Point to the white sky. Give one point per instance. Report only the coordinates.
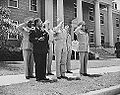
(118, 4)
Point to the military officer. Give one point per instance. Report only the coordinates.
(69, 50)
(83, 38)
(50, 51)
(39, 38)
(60, 50)
(27, 46)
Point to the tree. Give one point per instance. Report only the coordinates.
(4, 26)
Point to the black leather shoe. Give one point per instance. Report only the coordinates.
(69, 72)
(49, 74)
(59, 77)
(64, 77)
(85, 74)
(32, 76)
(27, 77)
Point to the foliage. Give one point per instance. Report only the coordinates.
(4, 26)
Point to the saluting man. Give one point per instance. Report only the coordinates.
(60, 50)
(27, 46)
(69, 50)
(83, 40)
(50, 51)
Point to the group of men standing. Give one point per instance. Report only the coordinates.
(37, 46)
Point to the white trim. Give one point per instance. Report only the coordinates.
(117, 20)
(30, 6)
(12, 6)
(9, 38)
(91, 15)
(102, 14)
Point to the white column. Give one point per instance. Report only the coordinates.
(110, 25)
(79, 11)
(60, 10)
(49, 11)
(97, 24)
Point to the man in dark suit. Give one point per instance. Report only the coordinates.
(39, 38)
(117, 48)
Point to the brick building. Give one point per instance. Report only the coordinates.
(101, 16)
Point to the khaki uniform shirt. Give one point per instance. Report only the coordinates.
(26, 44)
(83, 40)
(69, 42)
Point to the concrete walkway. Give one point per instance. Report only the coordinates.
(14, 79)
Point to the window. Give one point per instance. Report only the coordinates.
(117, 22)
(13, 3)
(91, 14)
(118, 37)
(101, 18)
(12, 35)
(75, 10)
(33, 5)
(102, 39)
(91, 38)
(114, 5)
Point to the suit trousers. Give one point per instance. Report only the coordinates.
(68, 64)
(83, 62)
(40, 65)
(61, 57)
(28, 61)
(49, 58)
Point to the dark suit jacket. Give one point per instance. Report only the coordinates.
(39, 38)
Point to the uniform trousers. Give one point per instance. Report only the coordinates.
(28, 61)
(40, 65)
(68, 64)
(49, 59)
(83, 62)
(61, 57)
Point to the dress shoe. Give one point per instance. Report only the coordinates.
(28, 77)
(59, 77)
(32, 76)
(84, 74)
(49, 74)
(69, 71)
(64, 77)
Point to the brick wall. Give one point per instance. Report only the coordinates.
(19, 14)
(68, 11)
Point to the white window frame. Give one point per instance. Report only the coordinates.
(118, 37)
(91, 15)
(30, 6)
(101, 14)
(92, 32)
(9, 32)
(75, 10)
(12, 6)
(117, 19)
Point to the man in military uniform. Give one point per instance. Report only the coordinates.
(50, 51)
(27, 46)
(39, 38)
(60, 50)
(69, 50)
(83, 39)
